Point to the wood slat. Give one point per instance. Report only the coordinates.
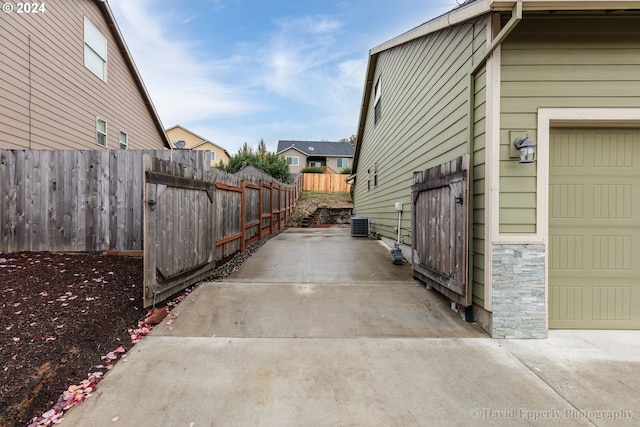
(439, 223)
(325, 182)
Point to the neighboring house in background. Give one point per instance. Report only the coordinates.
(255, 172)
(554, 243)
(196, 142)
(69, 82)
(334, 156)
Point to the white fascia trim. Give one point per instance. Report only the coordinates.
(578, 5)
(293, 147)
(449, 19)
(480, 7)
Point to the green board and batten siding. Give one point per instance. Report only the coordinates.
(588, 61)
(477, 261)
(424, 122)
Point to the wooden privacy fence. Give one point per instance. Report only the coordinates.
(330, 182)
(439, 224)
(179, 227)
(77, 200)
(92, 201)
(249, 208)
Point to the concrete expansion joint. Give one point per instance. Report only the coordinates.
(368, 282)
(541, 378)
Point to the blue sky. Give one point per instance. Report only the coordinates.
(236, 71)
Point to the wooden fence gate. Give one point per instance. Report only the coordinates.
(439, 223)
(179, 227)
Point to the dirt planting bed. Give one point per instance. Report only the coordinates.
(59, 314)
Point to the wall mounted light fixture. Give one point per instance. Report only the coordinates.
(527, 149)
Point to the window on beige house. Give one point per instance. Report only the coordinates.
(293, 160)
(343, 162)
(101, 132)
(213, 156)
(95, 50)
(124, 140)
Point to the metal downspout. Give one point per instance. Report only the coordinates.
(516, 17)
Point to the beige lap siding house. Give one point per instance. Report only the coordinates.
(554, 243)
(67, 81)
(196, 142)
(332, 156)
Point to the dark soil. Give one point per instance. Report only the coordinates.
(59, 314)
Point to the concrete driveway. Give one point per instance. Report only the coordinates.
(319, 328)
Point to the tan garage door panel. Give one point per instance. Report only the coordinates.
(594, 229)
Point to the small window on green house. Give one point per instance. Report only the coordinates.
(124, 140)
(377, 101)
(375, 175)
(101, 132)
(368, 179)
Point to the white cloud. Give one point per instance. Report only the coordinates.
(309, 24)
(352, 72)
(302, 62)
(182, 86)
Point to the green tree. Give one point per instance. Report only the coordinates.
(267, 162)
(262, 149)
(277, 167)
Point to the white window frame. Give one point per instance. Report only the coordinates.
(293, 160)
(340, 162)
(99, 132)
(95, 50)
(375, 174)
(377, 106)
(213, 156)
(315, 164)
(124, 143)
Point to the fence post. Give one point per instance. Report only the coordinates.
(243, 215)
(276, 226)
(271, 208)
(260, 209)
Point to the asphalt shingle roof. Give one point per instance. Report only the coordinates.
(318, 148)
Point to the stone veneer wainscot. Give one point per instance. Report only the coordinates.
(518, 291)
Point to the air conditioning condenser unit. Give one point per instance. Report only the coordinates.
(359, 226)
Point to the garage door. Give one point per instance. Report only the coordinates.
(594, 229)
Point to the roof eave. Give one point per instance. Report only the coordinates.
(366, 95)
(454, 17)
(480, 7)
(204, 140)
(292, 147)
